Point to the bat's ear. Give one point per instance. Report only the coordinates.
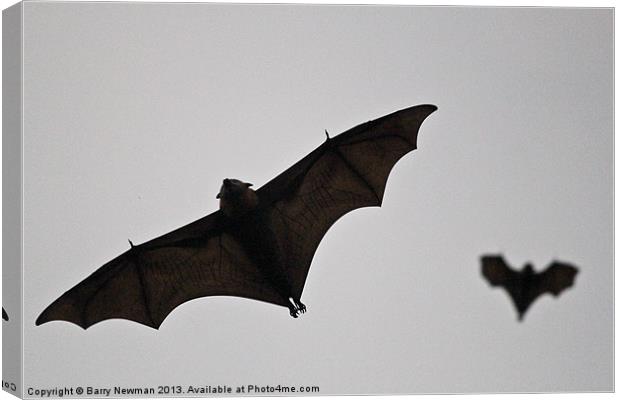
(249, 184)
(218, 195)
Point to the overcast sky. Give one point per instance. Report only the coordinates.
(135, 112)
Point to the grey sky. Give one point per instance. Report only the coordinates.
(135, 112)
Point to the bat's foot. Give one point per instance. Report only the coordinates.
(301, 307)
(296, 307)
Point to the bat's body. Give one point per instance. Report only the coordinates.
(253, 231)
(5, 316)
(259, 244)
(525, 286)
(522, 289)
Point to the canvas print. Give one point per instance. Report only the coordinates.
(291, 200)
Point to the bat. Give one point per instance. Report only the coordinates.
(525, 286)
(259, 244)
(5, 316)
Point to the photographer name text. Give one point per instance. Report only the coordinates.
(167, 390)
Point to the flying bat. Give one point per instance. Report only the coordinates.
(259, 244)
(5, 316)
(525, 286)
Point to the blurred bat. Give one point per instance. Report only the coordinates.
(525, 286)
(5, 316)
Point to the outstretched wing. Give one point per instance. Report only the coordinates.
(346, 172)
(148, 281)
(556, 278)
(496, 271)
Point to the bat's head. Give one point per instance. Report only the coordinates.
(528, 269)
(232, 188)
(236, 197)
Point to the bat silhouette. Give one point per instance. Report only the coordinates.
(259, 244)
(525, 286)
(5, 316)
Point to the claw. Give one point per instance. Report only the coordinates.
(293, 312)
